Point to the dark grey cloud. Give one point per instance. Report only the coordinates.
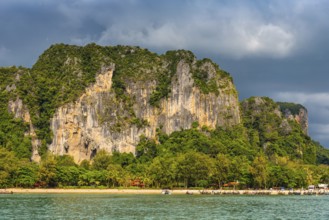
(272, 48)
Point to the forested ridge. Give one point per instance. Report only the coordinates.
(265, 150)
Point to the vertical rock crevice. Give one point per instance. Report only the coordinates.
(98, 120)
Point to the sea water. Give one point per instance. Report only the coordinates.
(107, 206)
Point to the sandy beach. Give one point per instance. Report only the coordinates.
(109, 191)
(158, 191)
(86, 191)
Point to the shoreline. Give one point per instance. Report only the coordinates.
(160, 191)
(83, 191)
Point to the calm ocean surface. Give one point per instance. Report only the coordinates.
(94, 206)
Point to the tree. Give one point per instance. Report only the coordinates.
(259, 171)
(24, 149)
(115, 174)
(65, 160)
(123, 159)
(222, 169)
(67, 175)
(8, 167)
(193, 167)
(93, 178)
(48, 171)
(85, 164)
(26, 175)
(146, 149)
(162, 171)
(239, 170)
(102, 160)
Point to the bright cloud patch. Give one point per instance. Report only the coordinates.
(318, 99)
(234, 30)
(234, 40)
(165, 36)
(270, 39)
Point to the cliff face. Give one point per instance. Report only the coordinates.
(284, 111)
(98, 119)
(295, 112)
(278, 128)
(79, 100)
(21, 111)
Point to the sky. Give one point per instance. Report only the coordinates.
(274, 48)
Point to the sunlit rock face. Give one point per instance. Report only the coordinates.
(19, 110)
(99, 120)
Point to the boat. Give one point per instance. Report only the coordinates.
(166, 192)
(309, 193)
(205, 192)
(6, 192)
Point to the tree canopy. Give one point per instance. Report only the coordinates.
(264, 150)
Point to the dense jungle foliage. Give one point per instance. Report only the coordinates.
(264, 151)
(180, 160)
(12, 129)
(62, 73)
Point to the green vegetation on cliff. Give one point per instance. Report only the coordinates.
(209, 83)
(291, 107)
(265, 150)
(190, 158)
(12, 130)
(62, 73)
(274, 134)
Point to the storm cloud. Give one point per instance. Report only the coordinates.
(271, 47)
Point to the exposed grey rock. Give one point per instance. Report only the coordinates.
(21, 111)
(98, 120)
(10, 88)
(301, 118)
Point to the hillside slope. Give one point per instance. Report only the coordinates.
(79, 100)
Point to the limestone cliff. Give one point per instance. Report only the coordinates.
(20, 111)
(78, 100)
(260, 106)
(100, 120)
(295, 112)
